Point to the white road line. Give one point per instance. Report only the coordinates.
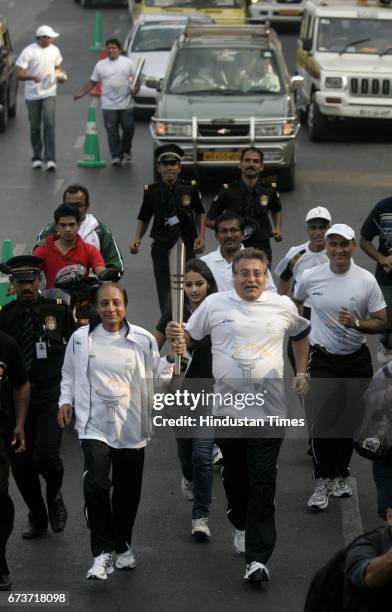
(79, 142)
(351, 515)
(58, 185)
(19, 248)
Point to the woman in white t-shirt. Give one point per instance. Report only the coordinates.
(108, 377)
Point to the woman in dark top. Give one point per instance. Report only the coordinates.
(195, 454)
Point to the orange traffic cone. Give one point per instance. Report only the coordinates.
(97, 91)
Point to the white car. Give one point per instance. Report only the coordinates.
(152, 38)
(287, 11)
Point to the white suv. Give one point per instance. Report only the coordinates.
(345, 56)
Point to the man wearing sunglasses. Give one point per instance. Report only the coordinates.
(177, 211)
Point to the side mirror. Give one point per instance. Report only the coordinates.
(296, 82)
(153, 83)
(307, 44)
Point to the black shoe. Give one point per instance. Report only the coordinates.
(5, 582)
(34, 530)
(57, 513)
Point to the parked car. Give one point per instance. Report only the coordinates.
(152, 37)
(345, 57)
(227, 88)
(8, 80)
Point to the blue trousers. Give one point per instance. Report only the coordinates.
(195, 456)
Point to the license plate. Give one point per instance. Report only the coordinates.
(377, 113)
(289, 12)
(221, 155)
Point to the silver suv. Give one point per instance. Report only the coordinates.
(227, 88)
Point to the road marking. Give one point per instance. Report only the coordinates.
(351, 515)
(343, 179)
(19, 249)
(58, 185)
(79, 142)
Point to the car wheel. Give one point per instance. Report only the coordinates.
(4, 114)
(286, 178)
(317, 122)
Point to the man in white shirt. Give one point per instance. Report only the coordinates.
(115, 72)
(346, 303)
(229, 233)
(247, 326)
(39, 65)
(304, 256)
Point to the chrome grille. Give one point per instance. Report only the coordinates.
(223, 129)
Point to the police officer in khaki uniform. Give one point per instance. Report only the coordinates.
(176, 208)
(41, 328)
(254, 201)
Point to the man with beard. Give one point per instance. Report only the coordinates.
(253, 200)
(229, 234)
(41, 327)
(178, 212)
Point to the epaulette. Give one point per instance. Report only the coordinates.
(59, 301)
(146, 187)
(193, 182)
(225, 186)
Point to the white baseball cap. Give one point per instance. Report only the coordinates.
(318, 213)
(341, 229)
(46, 30)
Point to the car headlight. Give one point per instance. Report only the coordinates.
(275, 129)
(173, 129)
(334, 83)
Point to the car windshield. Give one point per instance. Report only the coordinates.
(224, 71)
(371, 36)
(156, 36)
(200, 4)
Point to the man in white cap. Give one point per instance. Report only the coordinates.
(39, 64)
(346, 303)
(302, 257)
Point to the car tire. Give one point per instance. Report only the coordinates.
(286, 178)
(317, 122)
(4, 114)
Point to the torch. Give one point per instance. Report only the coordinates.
(177, 270)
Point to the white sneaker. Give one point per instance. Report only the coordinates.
(127, 159)
(50, 166)
(126, 560)
(341, 488)
(101, 568)
(239, 541)
(256, 572)
(320, 497)
(384, 355)
(116, 161)
(187, 489)
(200, 529)
(36, 164)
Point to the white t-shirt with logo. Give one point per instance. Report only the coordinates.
(41, 62)
(115, 416)
(114, 75)
(297, 260)
(223, 271)
(327, 292)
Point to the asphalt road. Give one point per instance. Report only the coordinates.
(348, 175)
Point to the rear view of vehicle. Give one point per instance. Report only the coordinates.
(221, 11)
(286, 11)
(8, 81)
(228, 88)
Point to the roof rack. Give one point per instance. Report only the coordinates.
(194, 30)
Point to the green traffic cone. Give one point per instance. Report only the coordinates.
(7, 252)
(91, 156)
(98, 42)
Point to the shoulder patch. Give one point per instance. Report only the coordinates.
(59, 301)
(146, 187)
(225, 186)
(193, 182)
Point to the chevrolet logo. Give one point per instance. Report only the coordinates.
(224, 131)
